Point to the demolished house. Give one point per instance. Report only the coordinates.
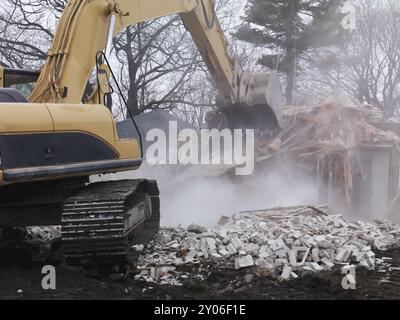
(347, 151)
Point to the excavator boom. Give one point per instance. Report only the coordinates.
(86, 28)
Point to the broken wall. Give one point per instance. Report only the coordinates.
(354, 163)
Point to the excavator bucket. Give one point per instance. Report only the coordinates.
(262, 106)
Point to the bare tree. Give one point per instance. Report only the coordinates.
(367, 69)
(26, 31)
(155, 59)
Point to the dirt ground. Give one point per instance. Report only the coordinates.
(17, 272)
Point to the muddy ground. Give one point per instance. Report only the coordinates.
(17, 272)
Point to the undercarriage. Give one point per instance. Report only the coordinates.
(100, 222)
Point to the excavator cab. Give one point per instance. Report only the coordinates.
(16, 84)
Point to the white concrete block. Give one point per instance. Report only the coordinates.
(297, 234)
(175, 246)
(343, 255)
(286, 273)
(231, 249)
(315, 254)
(237, 243)
(216, 256)
(244, 262)
(320, 239)
(316, 267)
(293, 257)
(328, 263)
(224, 253)
(264, 252)
(308, 268)
(169, 244)
(211, 244)
(223, 233)
(138, 248)
(252, 249)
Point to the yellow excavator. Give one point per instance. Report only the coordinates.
(52, 142)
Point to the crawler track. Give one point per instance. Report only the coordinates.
(105, 219)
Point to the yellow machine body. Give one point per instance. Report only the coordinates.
(53, 141)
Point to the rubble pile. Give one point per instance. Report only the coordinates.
(43, 234)
(42, 242)
(284, 242)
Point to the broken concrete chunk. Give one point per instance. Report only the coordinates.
(171, 243)
(237, 243)
(315, 254)
(224, 253)
(320, 239)
(231, 249)
(343, 255)
(175, 246)
(244, 262)
(211, 243)
(293, 257)
(252, 249)
(138, 248)
(195, 228)
(264, 252)
(297, 234)
(328, 263)
(316, 267)
(216, 256)
(286, 273)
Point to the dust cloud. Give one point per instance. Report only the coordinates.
(188, 198)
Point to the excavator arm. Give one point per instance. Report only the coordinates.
(87, 27)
